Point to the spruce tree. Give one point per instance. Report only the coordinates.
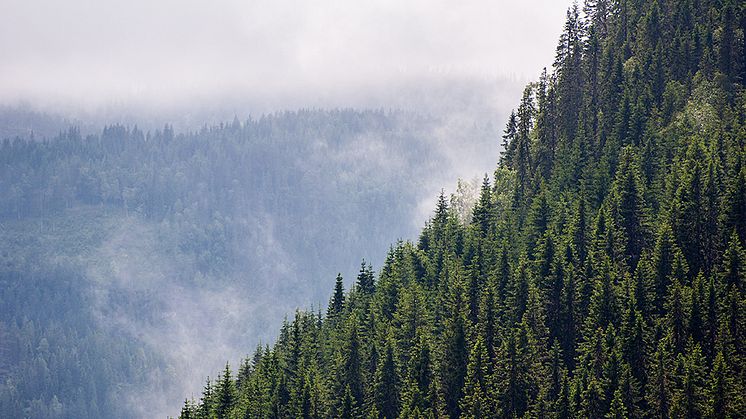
(336, 304)
(225, 394)
(475, 402)
(387, 385)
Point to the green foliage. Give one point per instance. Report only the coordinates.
(601, 274)
(220, 207)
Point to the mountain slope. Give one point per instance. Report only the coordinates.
(602, 272)
(127, 256)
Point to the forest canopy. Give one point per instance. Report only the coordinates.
(601, 274)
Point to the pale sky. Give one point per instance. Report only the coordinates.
(94, 53)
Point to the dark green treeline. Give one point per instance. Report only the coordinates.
(602, 272)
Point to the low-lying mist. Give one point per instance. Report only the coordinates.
(211, 238)
(179, 177)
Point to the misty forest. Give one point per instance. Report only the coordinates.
(598, 270)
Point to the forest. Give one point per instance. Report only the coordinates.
(601, 273)
(109, 242)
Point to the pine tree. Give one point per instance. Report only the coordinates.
(537, 222)
(593, 400)
(562, 406)
(630, 390)
(482, 216)
(735, 201)
(518, 293)
(512, 381)
(349, 373)
(225, 394)
(475, 402)
(604, 308)
(733, 271)
(502, 274)
(387, 385)
(509, 145)
(207, 402)
(410, 320)
(719, 391)
(365, 279)
(629, 206)
(633, 340)
(454, 350)
(336, 304)
(522, 159)
(524, 309)
(664, 252)
(691, 207)
(567, 65)
(659, 386)
(280, 398)
(568, 316)
(348, 409)
(688, 398)
(418, 390)
(546, 133)
(554, 298)
(676, 318)
(728, 49)
(188, 411)
(618, 410)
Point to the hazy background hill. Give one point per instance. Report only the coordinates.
(130, 252)
(129, 256)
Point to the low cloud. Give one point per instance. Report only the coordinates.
(194, 327)
(88, 55)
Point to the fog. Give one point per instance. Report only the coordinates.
(193, 329)
(191, 63)
(86, 56)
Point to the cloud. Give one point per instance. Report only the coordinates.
(90, 54)
(195, 60)
(137, 281)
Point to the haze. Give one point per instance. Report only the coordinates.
(190, 64)
(88, 55)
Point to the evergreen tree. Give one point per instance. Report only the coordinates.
(689, 396)
(629, 206)
(659, 385)
(365, 279)
(482, 215)
(350, 376)
(418, 391)
(522, 159)
(387, 385)
(593, 400)
(188, 411)
(454, 350)
(475, 402)
(525, 310)
(618, 410)
(509, 144)
(336, 304)
(512, 380)
(225, 394)
(734, 264)
(735, 201)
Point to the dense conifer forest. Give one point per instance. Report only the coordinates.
(600, 275)
(109, 241)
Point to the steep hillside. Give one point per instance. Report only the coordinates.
(601, 274)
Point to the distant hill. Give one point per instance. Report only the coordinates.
(126, 255)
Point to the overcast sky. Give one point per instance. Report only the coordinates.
(96, 53)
